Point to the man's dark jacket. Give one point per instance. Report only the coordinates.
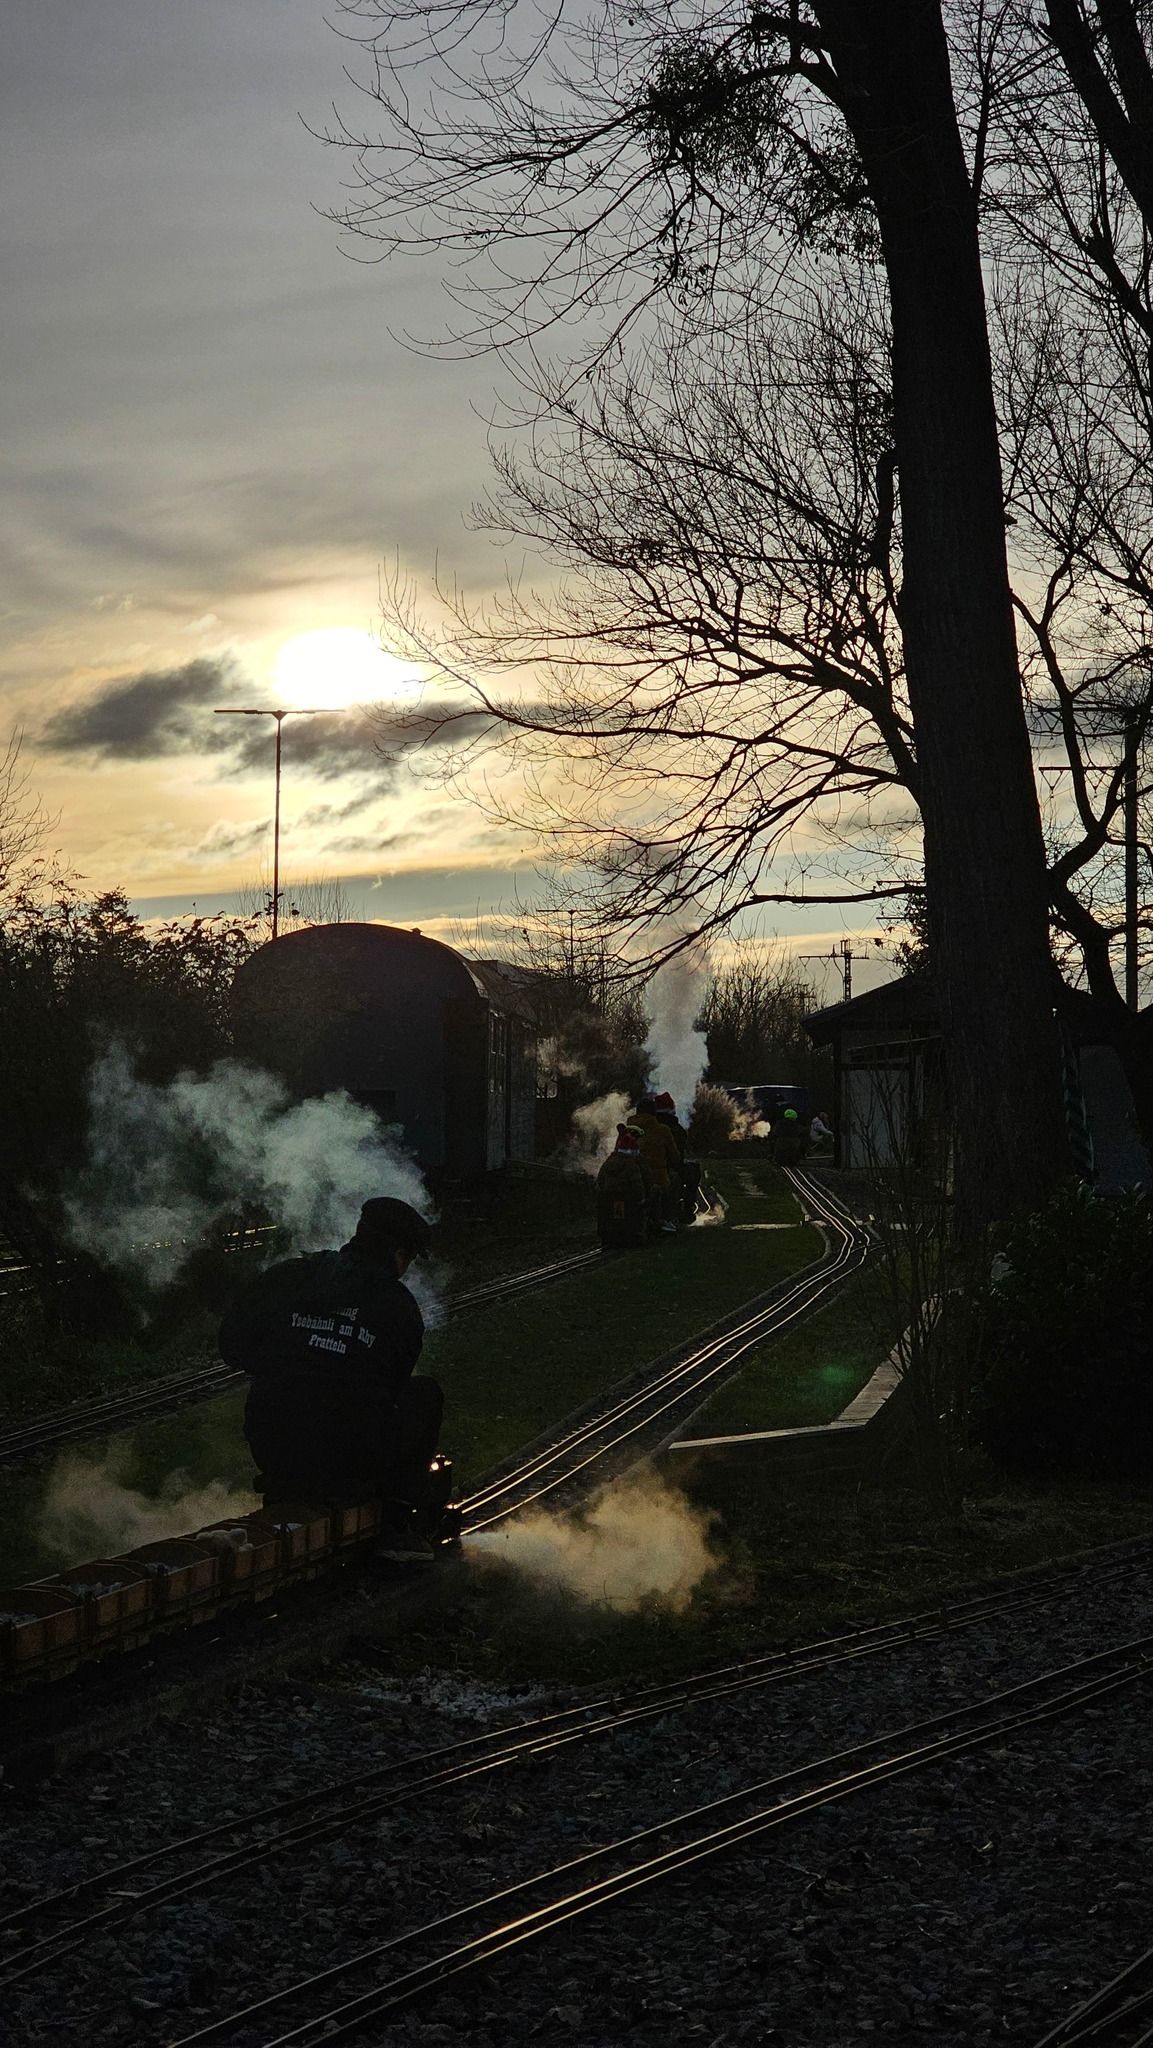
(330, 1341)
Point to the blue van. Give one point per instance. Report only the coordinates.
(765, 1100)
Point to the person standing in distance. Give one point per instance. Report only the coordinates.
(330, 1341)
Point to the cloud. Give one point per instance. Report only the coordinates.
(321, 817)
(164, 712)
(332, 746)
(227, 840)
(373, 842)
(137, 718)
(170, 711)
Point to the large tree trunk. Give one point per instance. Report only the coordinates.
(984, 852)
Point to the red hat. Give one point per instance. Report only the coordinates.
(665, 1102)
(628, 1139)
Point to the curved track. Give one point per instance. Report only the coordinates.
(639, 1422)
(62, 1921)
(1120, 2015)
(783, 1801)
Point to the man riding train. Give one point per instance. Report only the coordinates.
(646, 1184)
(334, 1412)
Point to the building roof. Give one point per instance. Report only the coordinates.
(505, 985)
(909, 1005)
(906, 1004)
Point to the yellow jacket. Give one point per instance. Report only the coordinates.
(658, 1148)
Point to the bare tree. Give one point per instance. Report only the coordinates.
(656, 152)
(24, 822)
(315, 899)
(753, 1018)
(729, 665)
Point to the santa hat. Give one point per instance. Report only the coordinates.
(664, 1102)
(628, 1139)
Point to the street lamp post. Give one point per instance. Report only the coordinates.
(262, 711)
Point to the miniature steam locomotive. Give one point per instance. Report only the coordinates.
(49, 1627)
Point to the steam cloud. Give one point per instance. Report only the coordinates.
(89, 1512)
(639, 1541)
(595, 1131)
(166, 1164)
(678, 1051)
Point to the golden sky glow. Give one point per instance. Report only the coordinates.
(340, 665)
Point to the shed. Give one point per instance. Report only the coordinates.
(890, 1079)
(888, 1073)
(441, 1047)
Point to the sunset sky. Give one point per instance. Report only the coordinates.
(213, 439)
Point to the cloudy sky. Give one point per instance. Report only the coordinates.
(212, 441)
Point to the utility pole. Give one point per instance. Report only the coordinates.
(262, 711)
(842, 956)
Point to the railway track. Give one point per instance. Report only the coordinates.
(109, 1413)
(44, 1931)
(574, 1893)
(18, 1277)
(607, 1877)
(163, 1397)
(638, 1423)
(1120, 2015)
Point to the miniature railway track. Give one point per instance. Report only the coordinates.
(17, 1276)
(1120, 2015)
(62, 1922)
(790, 1797)
(163, 1397)
(637, 1423)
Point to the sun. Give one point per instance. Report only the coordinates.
(339, 666)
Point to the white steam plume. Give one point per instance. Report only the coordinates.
(677, 1050)
(89, 1512)
(640, 1541)
(595, 1132)
(165, 1164)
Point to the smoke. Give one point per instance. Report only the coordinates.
(89, 1512)
(595, 1132)
(164, 1165)
(639, 1542)
(678, 1051)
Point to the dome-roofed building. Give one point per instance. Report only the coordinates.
(441, 1047)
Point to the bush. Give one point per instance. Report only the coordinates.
(713, 1121)
(1068, 1380)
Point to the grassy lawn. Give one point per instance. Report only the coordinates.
(510, 1371)
(37, 1372)
(808, 1375)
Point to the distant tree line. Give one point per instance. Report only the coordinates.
(78, 973)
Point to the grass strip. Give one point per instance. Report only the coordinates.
(512, 1370)
(809, 1374)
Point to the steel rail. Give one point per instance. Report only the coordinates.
(606, 1716)
(234, 1242)
(1110, 2014)
(107, 1412)
(689, 1374)
(685, 1366)
(992, 1724)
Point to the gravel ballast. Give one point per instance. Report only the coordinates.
(972, 1903)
